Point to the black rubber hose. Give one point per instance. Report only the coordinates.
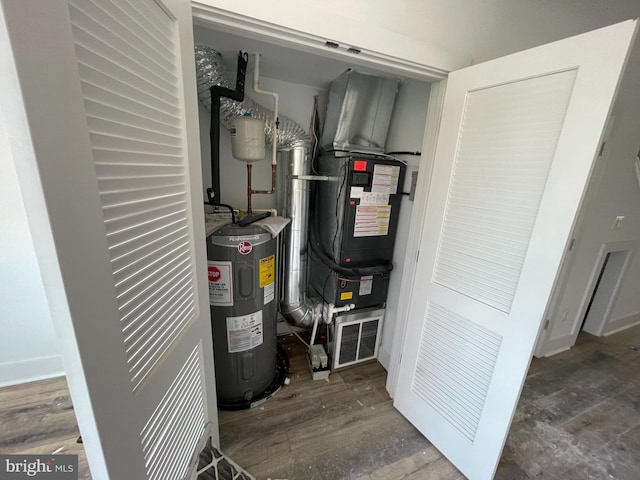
(228, 207)
(405, 153)
(355, 272)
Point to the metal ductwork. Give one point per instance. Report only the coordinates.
(292, 195)
(211, 70)
(293, 201)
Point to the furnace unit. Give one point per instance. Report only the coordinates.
(354, 223)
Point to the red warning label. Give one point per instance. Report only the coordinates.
(220, 283)
(214, 273)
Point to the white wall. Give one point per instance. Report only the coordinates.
(28, 348)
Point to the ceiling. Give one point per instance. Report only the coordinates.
(277, 62)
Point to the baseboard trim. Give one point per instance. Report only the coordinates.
(15, 373)
(615, 326)
(384, 358)
(554, 352)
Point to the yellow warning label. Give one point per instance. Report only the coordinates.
(346, 295)
(267, 270)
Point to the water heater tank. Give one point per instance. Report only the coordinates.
(247, 139)
(242, 287)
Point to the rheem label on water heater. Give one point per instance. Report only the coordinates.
(244, 332)
(220, 284)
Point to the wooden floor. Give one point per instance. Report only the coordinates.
(578, 418)
(38, 418)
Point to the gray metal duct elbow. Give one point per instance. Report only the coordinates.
(210, 71)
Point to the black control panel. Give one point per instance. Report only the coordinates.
(356, 215)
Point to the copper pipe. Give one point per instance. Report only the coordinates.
(273, 184)
(250, 191)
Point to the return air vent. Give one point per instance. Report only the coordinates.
(357, 337)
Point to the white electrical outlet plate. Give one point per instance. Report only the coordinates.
(617, 224)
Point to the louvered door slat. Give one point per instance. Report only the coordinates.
(144, 216)
(454, 368)
(125, 50)
(176, 425)
(133, 170)
(135, 264)
(494, 253)
(103, 157)
(113, 93)
(118, 212)
(138, 321)
(125, 144)
(133, 239)
(503, 127)
(146, 16)
(491, 293)
(102, 61)
(133, 115)
(149, 285)
(126, 117)
(131, 250)
(108, 14)
(138, 183)
(151, 278)
(122, 198)
(144, 352)
(489, 219)
(134, 133)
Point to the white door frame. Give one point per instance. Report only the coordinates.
(547, 345)
(434, 115)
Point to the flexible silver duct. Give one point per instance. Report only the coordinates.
(292, 195)
(210, 71)
(293, 201)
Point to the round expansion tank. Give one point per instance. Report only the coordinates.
(247, 139)
(242, 286)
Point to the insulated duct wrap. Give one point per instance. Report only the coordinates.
(210, 71)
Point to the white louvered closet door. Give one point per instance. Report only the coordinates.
(110, 99)
(515, 149)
